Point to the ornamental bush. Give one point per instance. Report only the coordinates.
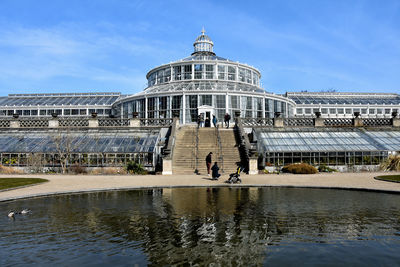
(135, 168)
(392, 163)
(324, 168)
(299, 168)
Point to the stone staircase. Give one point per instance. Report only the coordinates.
(184, 157)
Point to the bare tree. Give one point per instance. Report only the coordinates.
(65, 144)
(34, 162)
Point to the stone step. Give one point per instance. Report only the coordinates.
(184, 159)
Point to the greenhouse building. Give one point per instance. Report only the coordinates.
(150, 127)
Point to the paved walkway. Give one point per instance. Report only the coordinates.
(73, 183)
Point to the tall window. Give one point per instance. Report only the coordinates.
(198, 71)
(248, 76)
(247, 106)
(242, 73)
(191, 108)
(231, 73)
(177, 73)
(255, 78)
(151, 107)
(206, 100)
(234, 102)
(220, 101)
(163, 107)
(221, 72)
(209, 71)
(188, 72)
(152, 79)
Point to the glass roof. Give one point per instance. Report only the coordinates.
(325, 141)
(348, 100)
(204, 57)
(49, 100)
(27, 142)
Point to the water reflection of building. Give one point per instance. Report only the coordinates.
(256, 223)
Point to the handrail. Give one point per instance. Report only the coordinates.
(219, 144)
(196, 170)
(169, 150)
(245, 148)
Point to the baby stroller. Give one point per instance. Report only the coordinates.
(235, 177)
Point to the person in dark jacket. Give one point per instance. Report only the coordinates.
(208, 162)
(214, 120)
(215, 169)
(227, 118)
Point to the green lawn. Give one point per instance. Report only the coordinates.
(7, 183)
(389, 178)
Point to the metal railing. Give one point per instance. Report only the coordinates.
(113, 122)
(169, 149)
(258, 122)
(155, 122)
(74, 122)
(196, 167)
(312, 122)
(219, 145)
(246, 150)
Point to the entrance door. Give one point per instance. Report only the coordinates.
(207, 120)
(206, 112)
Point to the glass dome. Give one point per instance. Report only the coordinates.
(203, 44)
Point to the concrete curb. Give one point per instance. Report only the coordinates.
(96, 190)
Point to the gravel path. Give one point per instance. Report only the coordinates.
(73, 183)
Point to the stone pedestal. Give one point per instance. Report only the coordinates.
(135, 122)
(358, 122)
(396, 122)
(167, 166)
(253, 166)
(14, 124)
(319, 122)
(53, 124)
(93, 123)
(176, 121)
(278, 122)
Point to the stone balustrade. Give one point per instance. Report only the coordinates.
(82, 122)
(320, 122)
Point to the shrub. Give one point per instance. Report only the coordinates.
(392, 163)
(78, 169)
(299, 168)
(135, 168)
(10, 170)
(108, 171)
(324, 168)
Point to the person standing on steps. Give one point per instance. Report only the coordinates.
(201, 120)
(227, 118)
(208, 162)
(214, 120)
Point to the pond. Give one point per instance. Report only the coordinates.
(189, 226)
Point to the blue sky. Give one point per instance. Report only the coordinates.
(109, 46)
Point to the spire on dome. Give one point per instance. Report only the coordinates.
(203, 44)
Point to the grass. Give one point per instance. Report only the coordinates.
(389, 178)
(7, 183)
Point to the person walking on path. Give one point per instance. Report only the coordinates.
(227, 118)
(208, 162)
(215, 169)
(215, 121)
